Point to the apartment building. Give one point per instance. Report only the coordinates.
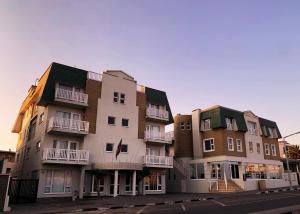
(82, 132)
(222, 149)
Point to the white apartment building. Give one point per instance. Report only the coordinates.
(81, 132)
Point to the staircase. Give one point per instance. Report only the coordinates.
(231, 187)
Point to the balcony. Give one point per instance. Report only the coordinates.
(65, 156)
(157, 114)
(158, 161)
(68, 126)
(158, 137)
(71, 97)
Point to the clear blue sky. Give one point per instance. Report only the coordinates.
(240, 54)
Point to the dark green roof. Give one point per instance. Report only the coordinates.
(158, 97)
(268, 124)
(218, 114)
(63, 74)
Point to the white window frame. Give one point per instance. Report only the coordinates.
(127, 122)
(229, 139)
(116, 96)
(66, 186)
(267, 149)
(252, 127)
(121, 148)
(206, 125)
(158, 185)
(182, 126)
(212, 145)
(196, 171)
(251, 149)
(122, 99)
(112, 147)
(113, 124)
(239, 145)
(273, 150)
(100, 185)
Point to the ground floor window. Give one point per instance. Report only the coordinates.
(275, 172)
(97, 182)
(256, 171)
(197, 171)
(128, 182)
(58, 181)
(215, 171)
(153, 182)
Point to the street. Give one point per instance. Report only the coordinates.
(235, 203)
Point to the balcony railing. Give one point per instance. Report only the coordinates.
(159, 137)
(68, 125)
(65, 156)
(157, 114)
(158, 161)
(252, 131)
(169, 136)
(69, 96)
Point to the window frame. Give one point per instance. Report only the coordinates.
(114, 119)
(239, 145)
(273, 150)
(206, 121)
(228, 145)
(251, 149)
(125, 119)
(116, 97)
(112, 148)
(267, 145)
(122, 99)
(126, 146)
(188, 125)
(182, 126)
(258, 148)
(212, 144)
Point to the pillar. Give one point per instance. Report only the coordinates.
(133, 182)
(81, 182)
(116, 183)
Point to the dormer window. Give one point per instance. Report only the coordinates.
(273, 133)
(230, 122)
(206, 124)
(252, 128)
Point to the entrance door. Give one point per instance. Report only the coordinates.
(215, 171)
(235, 171)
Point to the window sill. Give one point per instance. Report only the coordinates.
(208, 150)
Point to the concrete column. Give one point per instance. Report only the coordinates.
(81, 182)
(133, 182)
(116, 183)
(197, 137)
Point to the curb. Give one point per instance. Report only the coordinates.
(278, 190)
(142, 205)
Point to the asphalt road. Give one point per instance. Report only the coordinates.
(236, 203)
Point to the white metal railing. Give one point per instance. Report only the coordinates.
(69, 95)
(68, 124)
(252, 131)
(157, 113)
(63, 155)
(94, 76)
(157, 137)
(158, 160)
(211, 182)
(225, 179)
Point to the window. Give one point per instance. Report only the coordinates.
(32, 129)
(239, 146)
(275, 172)
(256, 171)
(38, 146)
(111, 120)
(116, 97)
(197, 171)
(125, 122)
(264, 130)
(109, 147)
(252, 128)
(188, 126)
(153, 182)
(267, 149)
(122, 99)
(230, 122)
(182, 125)
(250, 146)
(42, 117)
(208, 145)
(100, 181)
(128, 183)
(273, 149)
(124, 148)
(206, 124)
(273, 133)
(58, 181)
(230, 144)
(258, 148)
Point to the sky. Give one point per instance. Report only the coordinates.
(242, 54)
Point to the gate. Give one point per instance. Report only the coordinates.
(23, 190)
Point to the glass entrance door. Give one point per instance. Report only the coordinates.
(111, 184)
(234, 171)
(215, 171)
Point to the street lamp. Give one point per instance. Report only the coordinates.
(286, 156)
